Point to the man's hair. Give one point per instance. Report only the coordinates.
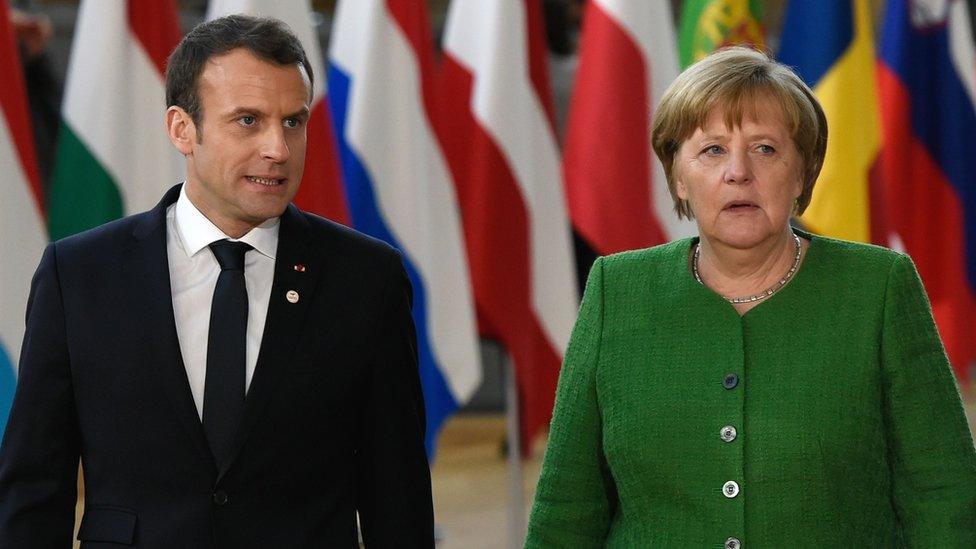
(268, 39)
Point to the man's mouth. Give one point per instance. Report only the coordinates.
(266, 181)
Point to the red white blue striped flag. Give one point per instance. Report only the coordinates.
(927, 82)
(22, 232)
(381, 63)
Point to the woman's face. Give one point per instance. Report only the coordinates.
(740, 182)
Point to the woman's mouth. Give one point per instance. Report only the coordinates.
(743, 206)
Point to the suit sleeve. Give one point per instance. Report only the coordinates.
(394, 494)
(931, 451)
(39, 456)
(576, 495)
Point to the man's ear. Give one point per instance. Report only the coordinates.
(181, 129)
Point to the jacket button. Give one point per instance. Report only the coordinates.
(728, 433)
(730, 381)
(733, 543)
(730, 489)
(220, 498)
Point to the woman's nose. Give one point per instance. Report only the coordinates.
(739, 168)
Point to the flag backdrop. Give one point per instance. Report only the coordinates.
(113, 156)
(501, 147)
(618, 195)
(927, 80)
(321, 190)
(399, 186)
(831, 45)
(22, 232)
(707, 25)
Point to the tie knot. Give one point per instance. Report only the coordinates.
(230, 255)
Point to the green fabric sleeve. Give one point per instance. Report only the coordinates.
(931, 453)
(574, 498)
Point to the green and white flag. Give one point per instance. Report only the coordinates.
(113, 156)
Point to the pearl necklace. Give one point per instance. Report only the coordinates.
(761, 295)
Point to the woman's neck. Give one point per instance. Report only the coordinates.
(737, 272)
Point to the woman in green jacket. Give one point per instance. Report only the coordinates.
(756, 386)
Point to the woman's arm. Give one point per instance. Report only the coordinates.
(575, 497)
(931, 453)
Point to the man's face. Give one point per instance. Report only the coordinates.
(246, 157)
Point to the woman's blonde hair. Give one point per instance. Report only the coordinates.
(737, 79)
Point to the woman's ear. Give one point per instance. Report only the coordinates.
(680, 189)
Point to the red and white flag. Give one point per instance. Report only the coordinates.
(22, 232)
(501, 147)
(618, 195)
(321, 191)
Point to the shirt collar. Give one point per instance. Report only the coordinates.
(197, 232)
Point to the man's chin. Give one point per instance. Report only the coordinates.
(258, 213)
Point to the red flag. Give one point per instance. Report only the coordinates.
(500, 145)
(13, 103)
(618, 197)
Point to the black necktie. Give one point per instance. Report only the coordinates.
(223, 393)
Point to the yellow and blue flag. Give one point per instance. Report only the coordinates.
(831, 46)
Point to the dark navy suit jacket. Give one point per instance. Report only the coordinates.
(333, 421)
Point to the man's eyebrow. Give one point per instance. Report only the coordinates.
(241, 111)
(302, 113)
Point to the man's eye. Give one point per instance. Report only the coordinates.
(246, 120)
(292, 123)
(766, 149)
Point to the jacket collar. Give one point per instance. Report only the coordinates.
(297, 269)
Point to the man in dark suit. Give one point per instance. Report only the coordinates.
(231, 371)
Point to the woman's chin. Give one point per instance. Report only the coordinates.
(741, 238)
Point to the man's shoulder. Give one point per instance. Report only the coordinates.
(344, 240)
(104, 238)
(115, 236)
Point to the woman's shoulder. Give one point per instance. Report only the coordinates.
(647, 260)
(834, 252)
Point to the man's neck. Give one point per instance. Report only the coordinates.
(233, 228)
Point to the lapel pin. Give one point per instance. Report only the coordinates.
(299, 267)
(292, 296)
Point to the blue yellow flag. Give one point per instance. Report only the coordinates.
(831, 45)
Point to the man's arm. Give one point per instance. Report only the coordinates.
(39, 455)
(394, 496)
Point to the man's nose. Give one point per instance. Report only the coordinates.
(274, 148)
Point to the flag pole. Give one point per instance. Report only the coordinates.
(516, 497)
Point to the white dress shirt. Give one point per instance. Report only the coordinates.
(193, 272)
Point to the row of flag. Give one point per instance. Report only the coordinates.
(454, 159)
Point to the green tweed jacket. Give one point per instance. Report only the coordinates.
(826, 416)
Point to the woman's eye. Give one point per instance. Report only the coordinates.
(766, 149)
(712, 150)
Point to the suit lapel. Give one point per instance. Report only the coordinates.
(146, 264)
(297, 268)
